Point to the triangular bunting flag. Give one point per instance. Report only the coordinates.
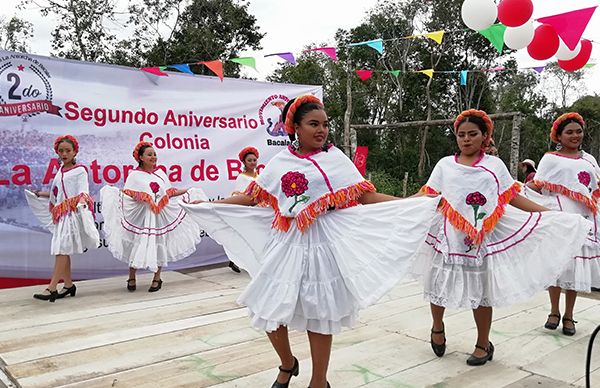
(215, 66)
(539, 69)
(495, 34)
(589, 65)
(330, 51)
(364, 74)
(436, 36)
(463, 77)
(428, 72)
(184, 68)
(376, 44)
(287, 56)
(570, 26)
(155, 70)
(395, 73)
(246, 61)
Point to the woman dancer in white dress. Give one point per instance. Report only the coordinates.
(249, 157)
(143, 227)
(568, 179)
(315, 256)
(481, 252)
(67, 211)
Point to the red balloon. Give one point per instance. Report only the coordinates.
(580, 60)
(544, 44)
(515, 13)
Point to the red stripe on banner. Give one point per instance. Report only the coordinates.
(29, 107)
(20, 282)
(360, 159)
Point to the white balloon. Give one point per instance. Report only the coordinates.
(564, 53)
(479, 14)
(519, 37)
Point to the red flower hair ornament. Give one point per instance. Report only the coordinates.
(136, 150)
(571, 115)
(482, 115)
(298, 102)
(246, 151)
(70, 138)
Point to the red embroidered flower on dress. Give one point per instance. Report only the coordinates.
(468, 241)
(584, 178)
(154, 186)
(55, 191)
(476, 200)
(294, 183)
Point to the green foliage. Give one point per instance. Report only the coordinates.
(15, 34)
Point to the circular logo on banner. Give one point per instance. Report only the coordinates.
(25, 88)
(269, 114)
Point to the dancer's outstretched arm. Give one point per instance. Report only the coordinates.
(241, 199)
(370, 197)
(527, 205)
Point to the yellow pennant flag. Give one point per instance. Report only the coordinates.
(436, 36)
(428, 72)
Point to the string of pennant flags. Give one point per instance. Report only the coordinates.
(494, 34)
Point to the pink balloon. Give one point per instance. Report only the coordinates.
(515, 13)
(545, 43)
(580, 60)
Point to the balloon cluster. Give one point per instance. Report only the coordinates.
(542, 42)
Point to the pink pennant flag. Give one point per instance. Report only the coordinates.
(570, 26)
(330, 51)
(154, 70)
(364, 74)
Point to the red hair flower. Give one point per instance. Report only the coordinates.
(69, 138)
(246, 151)
(571, 115)
(481, 114)
(136, 150)
(298, 102)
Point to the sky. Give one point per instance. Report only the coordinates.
(291, 25)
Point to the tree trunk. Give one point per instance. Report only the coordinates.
(515, 145)
(425, 133)
(348, 115)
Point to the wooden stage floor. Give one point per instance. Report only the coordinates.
(193, 334)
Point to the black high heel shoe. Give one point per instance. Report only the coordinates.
(234, 267)
(67, 291)
(568, 330)
(131, 286)
(552, 326)
(50, 297)
(158, 287)
(477, 361)
(292, 372)
(438, 349)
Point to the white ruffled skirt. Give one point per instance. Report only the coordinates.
(144, 239)
(318, 280)
(583, 272)
(74, 233)
(520, 257)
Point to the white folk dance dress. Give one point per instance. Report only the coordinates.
(571, 185)
(143, 226)
(314, 254)
(483, 252)
(241, 183)
(68, 212)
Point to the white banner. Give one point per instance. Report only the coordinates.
(198, 125)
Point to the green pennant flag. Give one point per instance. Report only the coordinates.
(246, 61)
(162, 68)
(395, 73)
(495, 34)
(589, 65)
